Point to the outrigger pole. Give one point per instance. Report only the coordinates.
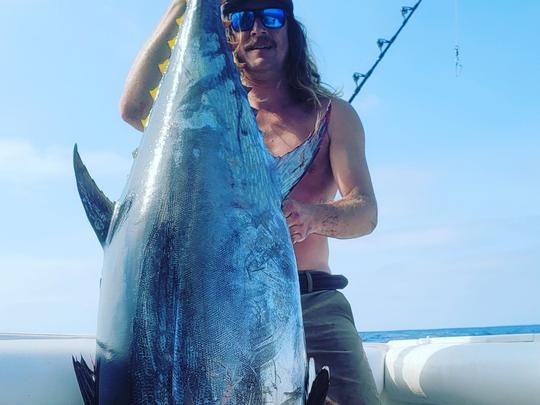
(383, 45)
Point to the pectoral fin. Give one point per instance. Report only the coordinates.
(99, 209)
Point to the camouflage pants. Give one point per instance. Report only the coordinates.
(332, 340)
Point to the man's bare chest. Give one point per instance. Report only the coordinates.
(284, 132)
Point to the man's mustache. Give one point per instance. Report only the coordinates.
(260, 42)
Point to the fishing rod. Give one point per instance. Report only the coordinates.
(384, 45)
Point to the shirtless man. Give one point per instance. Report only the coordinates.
(271, 53)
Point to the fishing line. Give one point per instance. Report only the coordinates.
(457, 48)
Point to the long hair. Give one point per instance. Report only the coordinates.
(303, 78)
(302, 74)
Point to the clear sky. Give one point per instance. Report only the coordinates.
(454, 159)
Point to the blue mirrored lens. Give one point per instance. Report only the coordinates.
(272, 18)
(242, 20)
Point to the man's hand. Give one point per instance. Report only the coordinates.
(300, 219)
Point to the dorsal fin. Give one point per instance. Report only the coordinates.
(99, 209)
(293, 166)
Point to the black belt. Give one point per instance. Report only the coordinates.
(311, 280)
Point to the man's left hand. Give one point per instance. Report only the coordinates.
(300, 218)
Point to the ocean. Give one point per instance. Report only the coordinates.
(387, 335)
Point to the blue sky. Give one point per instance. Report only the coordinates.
(454, 160)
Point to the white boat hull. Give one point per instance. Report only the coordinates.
(481, 370)
(478, 370)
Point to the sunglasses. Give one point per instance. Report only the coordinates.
(244, 20)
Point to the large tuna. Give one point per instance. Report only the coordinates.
(199, 295)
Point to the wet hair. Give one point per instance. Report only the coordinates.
(302, 75)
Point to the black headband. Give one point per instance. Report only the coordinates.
(230, 6)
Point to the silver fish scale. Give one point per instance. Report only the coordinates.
(199, 300)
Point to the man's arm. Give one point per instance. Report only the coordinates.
(355, 214)
(145, 75)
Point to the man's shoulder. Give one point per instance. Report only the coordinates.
(343, 108)
(344, 120)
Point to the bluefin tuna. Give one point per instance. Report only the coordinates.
(199, 298)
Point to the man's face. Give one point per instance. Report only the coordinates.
(263, 50)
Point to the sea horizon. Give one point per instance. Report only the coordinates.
(402, 334)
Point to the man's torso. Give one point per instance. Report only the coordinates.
(283, 131)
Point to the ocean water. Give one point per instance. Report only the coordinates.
(387, 335)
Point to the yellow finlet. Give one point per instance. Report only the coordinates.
(171, 42)
(144, 121)
(154, 92)
(179, 20)
(163, 66)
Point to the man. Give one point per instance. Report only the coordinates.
(270, 50)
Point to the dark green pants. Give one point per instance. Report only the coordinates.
(332, 340)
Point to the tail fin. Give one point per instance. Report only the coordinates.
(86, 377)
